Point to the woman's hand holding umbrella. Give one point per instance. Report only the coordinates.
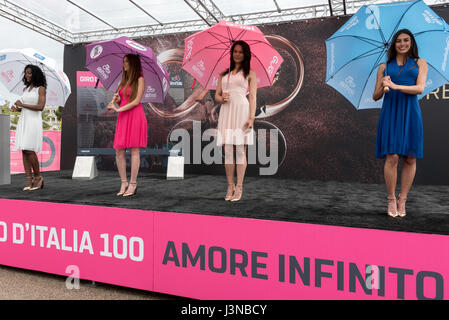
(111, 106)
(17, 106)
(387, 83)
(116, 98)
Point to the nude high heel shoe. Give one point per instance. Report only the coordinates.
(401, 206)
(230, 193)
(128, 194)
(123, 189)
(38, 183)
(237, 193)
(392, 207)
(29, 184)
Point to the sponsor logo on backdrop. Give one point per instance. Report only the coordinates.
(2, 57)
(273, 62)
(150, 92)
(40, 57)
(199, 68)
(136, 45)
(7, 75)
(431, 18)
(189, 48)
(429, 82)
(373, 20)
(351, 23)
(96, 51)
(176, 81)
(88, 79)
(446, 52)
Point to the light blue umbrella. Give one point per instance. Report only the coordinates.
(356, 50)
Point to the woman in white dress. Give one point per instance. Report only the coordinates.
(29, 128)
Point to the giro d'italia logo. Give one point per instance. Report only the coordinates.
(96, 52)
(136, 45)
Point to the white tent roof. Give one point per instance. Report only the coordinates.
(78, 21)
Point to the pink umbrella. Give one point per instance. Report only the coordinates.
(206, 53)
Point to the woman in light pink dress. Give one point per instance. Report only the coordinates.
(236, 119)
(131, 128)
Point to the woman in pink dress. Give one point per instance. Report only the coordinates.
(236, 119)
(131, 128)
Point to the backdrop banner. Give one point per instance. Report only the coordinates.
(318, 133)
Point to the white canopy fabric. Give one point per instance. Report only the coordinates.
(82, 21)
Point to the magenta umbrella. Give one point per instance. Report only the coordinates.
(206, 53)
(105, 60)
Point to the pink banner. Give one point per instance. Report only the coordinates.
(86, 79)
(212, 257)
(257, 259)
(103, 244)
(49, 158)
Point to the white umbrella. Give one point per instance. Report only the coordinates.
(12, 63)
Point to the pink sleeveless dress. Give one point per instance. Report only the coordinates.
(131, 128)
(235, 112)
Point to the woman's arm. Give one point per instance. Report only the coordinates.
(40, 102)
(379, 88)
(135, 102)
(418, 88)
(252, 94)
(252, 78)
(219, 91)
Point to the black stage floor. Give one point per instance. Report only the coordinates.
(335, 203)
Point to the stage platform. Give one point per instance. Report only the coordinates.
(349, 204)
(286, 239)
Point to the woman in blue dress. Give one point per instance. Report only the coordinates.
(400, 129)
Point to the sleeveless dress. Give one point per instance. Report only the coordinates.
(400, 128)
(235, 112)
(131, 128)
(29, 128)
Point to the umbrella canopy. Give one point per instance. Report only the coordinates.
(105, 60)
(206, 53)
(12, 64)
(360, 46)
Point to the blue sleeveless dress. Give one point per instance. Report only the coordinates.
(400, 129)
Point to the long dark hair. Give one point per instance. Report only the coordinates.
(412, 53)
(37, 77)
(246, 63)
(131, 77)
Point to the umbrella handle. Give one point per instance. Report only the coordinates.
(386, 89)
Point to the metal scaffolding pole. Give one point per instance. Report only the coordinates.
(207, 10)
(34, 22)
